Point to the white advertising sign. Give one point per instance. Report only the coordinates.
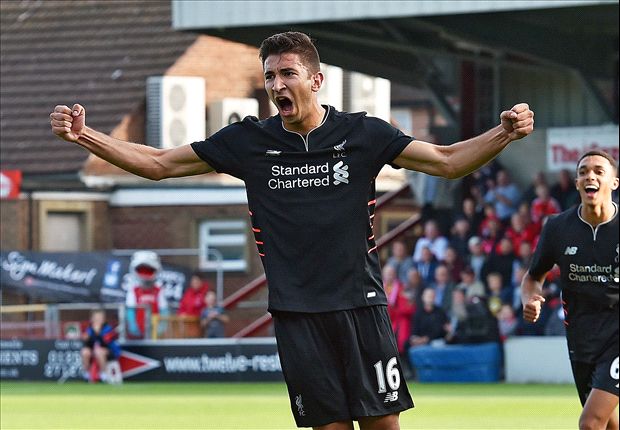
(565, 145)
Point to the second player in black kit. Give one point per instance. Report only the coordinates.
(588, 261)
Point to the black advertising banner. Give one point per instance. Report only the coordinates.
(79, 277)
(203, 360)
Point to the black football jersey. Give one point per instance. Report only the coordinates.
(311, 200)
(588, 260)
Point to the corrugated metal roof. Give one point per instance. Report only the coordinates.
(189, 15)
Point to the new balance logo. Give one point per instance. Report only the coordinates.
(391, 397)
(341, 174)
(272, 153)
(570, 250)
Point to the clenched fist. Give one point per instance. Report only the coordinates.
(68, 124)
(531, 310)
(518, 121)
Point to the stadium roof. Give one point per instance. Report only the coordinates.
(383, 38)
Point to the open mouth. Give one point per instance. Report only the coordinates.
(285, 105)
(590, 190)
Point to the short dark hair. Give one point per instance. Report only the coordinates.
(294, 42)
(600, 153)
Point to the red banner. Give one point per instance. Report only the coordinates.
(10, 184)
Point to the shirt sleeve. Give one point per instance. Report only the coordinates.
(387, 142)
(543, 258)
(224, 150)
(162, 303)
(130, 298)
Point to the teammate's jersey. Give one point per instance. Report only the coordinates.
(311, 202)
(588, 261)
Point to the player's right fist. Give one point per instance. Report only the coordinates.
(531, 310)
(68, 124)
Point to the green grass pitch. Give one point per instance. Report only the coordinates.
(247, 406)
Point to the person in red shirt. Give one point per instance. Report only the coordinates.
(193, 301)
(144, 292)
(543, 205)
(400, 309)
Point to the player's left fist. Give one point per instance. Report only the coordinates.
(518, 121)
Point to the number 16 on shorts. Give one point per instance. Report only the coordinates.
(390, 376)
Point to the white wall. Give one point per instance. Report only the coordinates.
(533, 359)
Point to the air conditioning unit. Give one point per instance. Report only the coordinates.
(175, 110)
(230, 110)
(370, 94)
(331, 90)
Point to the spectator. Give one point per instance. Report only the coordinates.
(489, 214)
(501, 261)
(457, 315)
(555, 323)
(426, 266)
(507, 321)
(491, 236)
(100, 345)
(564, 190)
(470, 285)
(454, 263)
(459, 235)
(443, 287)
(414, 287)
(429, 322)
(530, 193)
(504, 195)
(193, 301)
(432, 239)
(497, 292)
(213, 317)
(471, 214)
(400, 309)
(477, 256)
(401, 260)
(543, 205)
(517, 233)
(145, 296)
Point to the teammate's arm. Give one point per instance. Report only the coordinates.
(531, 296)
(141, 160)
(462, 158)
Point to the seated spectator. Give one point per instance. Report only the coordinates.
(543, 205)
(489, 215)
(497, 292)
(501, 261)
(459, 235)
(507, 321)
(400, 309)
(414, 287)
(555, 323)
(433, 240)
(505, 195)
(477, 257)
(213, 317)
(456, 315)
(443, 286)
(526, 218)
(491, 237)
(429, 322)
(518, 233)
(478, 324)
(193, 301)
(426, 266)
(100, 345)
(401, 260)
(564, 190)
(470, 285)
(454, 263)
(471, 214)
(530, 193)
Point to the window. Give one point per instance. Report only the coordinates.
(225, 240)
(64, 231)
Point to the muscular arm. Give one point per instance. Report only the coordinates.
(141, 160)
(462, 158)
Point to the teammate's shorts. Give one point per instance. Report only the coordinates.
(340, 366)
(602, 375)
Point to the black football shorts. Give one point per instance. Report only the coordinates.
(602, 375)
(341, 365)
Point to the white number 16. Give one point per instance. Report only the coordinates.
(392, 375)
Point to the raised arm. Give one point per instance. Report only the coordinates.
(142, 160)
(462, 158)
(531, 297)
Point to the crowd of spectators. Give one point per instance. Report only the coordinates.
(460, 281)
